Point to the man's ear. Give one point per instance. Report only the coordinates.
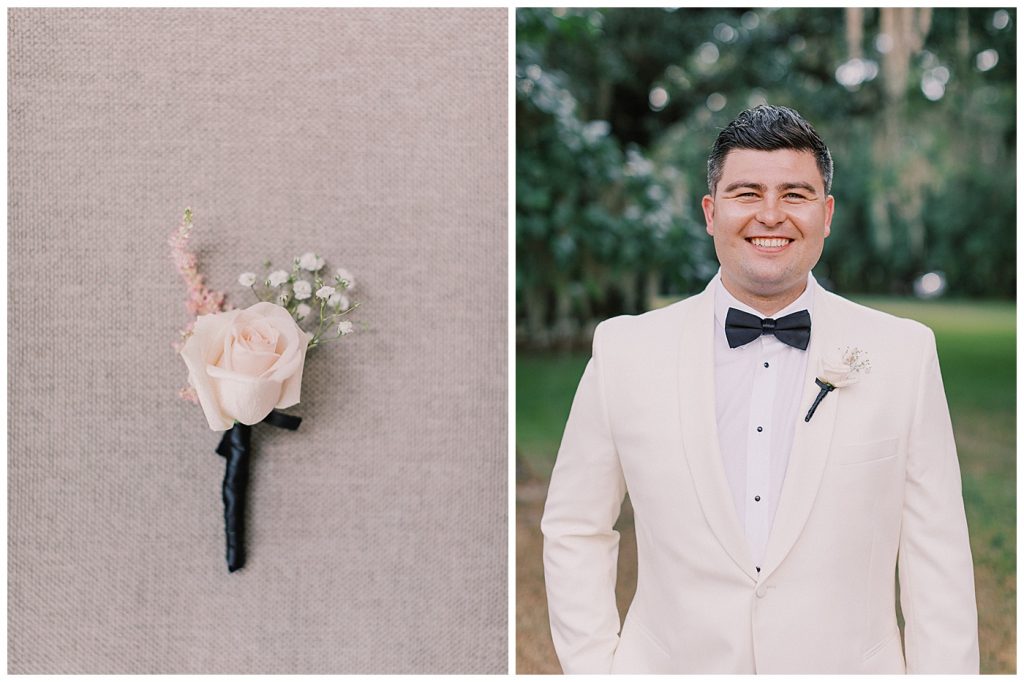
(708, 204)
(830, 207)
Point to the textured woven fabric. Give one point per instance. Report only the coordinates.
(377, 531)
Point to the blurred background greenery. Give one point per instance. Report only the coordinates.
(617, 110)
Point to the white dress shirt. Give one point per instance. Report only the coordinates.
(758, 387)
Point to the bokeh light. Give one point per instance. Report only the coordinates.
(708, 53)
(853, 72)
(658, 98)
(933, 83)
(930, 285)
(725, 33)
(986, 59)
(716, 101)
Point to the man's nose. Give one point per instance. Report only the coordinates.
(770, 213)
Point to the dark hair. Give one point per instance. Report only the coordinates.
(768, 128)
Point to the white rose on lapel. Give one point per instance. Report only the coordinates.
(840, 369)
(245, 363)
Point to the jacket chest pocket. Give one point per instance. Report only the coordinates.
(865, 486)
(861, 454)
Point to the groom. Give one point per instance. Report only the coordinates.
(788, 455)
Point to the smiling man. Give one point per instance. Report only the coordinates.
(788, 454)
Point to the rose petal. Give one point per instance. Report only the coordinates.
(194, 356)
(257, 335)
(291, 344)
(247, 399)
(293, 385)
(251, 363)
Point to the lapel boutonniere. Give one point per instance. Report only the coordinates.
(244, 365)
(837, 371)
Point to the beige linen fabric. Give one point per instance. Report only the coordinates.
(377, 532)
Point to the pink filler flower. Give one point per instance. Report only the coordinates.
(201, 299)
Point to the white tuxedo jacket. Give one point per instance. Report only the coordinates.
(872, 482)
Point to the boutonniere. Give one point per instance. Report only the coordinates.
(839, 370)
(244, 365)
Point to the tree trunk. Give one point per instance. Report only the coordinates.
(904, 174)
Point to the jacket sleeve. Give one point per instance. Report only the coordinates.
(580, 547)
(936, 573)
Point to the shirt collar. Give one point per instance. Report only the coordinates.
(724, 300)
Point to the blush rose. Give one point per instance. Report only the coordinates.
(245, 363)
(837, 372)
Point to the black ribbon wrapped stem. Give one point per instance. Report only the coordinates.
(235, 447)
(826, 388)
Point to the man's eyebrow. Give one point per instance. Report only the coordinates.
(745, 183)
(797, 185)
(760, 187)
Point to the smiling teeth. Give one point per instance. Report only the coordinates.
(769, 243)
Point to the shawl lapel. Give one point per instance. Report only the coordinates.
(811, 440)
(699, 428)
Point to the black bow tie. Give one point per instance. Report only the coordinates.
(793, 329)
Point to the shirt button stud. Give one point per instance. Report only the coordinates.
(757, 498)
(760, 429)
(766, 364)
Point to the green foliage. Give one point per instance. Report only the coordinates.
(545, 385)
(617, 110)
(597, 226)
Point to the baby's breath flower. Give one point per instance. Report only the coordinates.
(345, 327)
(343, 275)
(277, 278)
(325, 292)
(282, 298)
(247, 279)
(302, 310)
(339, 300)
(303, 290)
(309, 261)
(857, 360)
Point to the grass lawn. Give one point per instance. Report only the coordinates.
(977, 353)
